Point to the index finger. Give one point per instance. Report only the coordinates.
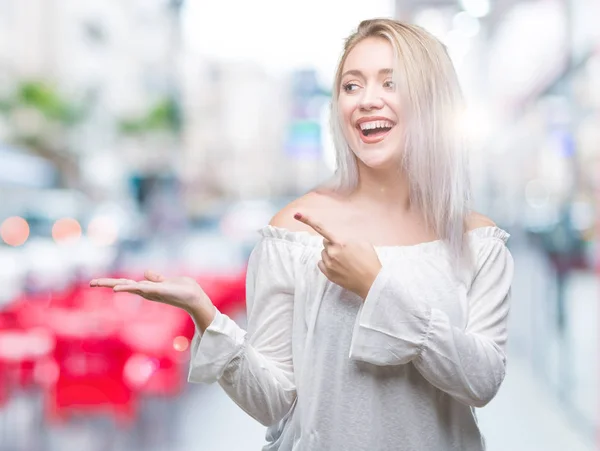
(109, 283)
(316, 226)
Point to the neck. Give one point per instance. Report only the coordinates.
(387, 187)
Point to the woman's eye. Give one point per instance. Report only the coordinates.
(389, 84)
(349, 87)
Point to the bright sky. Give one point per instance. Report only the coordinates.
(278, 34)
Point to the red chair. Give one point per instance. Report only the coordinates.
(90, 380)
(90, 360)
(4, 385)
(20, 351)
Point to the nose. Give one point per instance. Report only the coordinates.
(371, 99)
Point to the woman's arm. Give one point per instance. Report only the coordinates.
(255, 366)
(469, 364)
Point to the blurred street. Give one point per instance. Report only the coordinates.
(162, 134)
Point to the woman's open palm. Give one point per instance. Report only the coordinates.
(182, 292)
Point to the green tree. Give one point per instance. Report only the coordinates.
(42, 120)
(163, 116)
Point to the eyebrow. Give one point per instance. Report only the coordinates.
(358, 73)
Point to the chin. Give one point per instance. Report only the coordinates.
(378, 159)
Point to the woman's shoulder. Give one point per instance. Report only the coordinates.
(313, 202)
(477, 220)
(485, 230)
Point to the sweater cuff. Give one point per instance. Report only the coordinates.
(212, 351)
(391, 327)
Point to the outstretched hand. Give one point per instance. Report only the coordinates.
(182, 292)
(351, 265)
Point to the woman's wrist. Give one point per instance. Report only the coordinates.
(202, 314)
(369, 280)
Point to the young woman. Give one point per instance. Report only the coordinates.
(377, 304)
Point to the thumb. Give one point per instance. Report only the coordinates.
(153, 276)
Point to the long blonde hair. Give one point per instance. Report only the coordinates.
(434, 156)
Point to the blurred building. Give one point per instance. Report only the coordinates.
(235, 113)
(246, 134)
(113, 59)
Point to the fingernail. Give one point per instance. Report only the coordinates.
(297, 216)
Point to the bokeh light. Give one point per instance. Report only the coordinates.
(102, 231)
(14, 231)
(476, 8)
(181, 343)
(66, 229)
(139, 368)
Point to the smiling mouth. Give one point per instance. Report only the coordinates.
(374, 131)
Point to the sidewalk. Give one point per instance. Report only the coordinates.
(523, 417)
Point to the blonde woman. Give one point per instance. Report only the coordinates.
(377, 304)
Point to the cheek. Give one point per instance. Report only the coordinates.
(346, 108)
(396, 105)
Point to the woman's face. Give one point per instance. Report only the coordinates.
(369, 104)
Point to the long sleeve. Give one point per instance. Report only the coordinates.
(255, 367)
(396, 327)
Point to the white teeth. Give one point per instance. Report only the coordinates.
(375, 124)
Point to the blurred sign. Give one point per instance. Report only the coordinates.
(305, 84)
(304, 138)
(566, 142)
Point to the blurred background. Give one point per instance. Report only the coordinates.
(162, 134)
